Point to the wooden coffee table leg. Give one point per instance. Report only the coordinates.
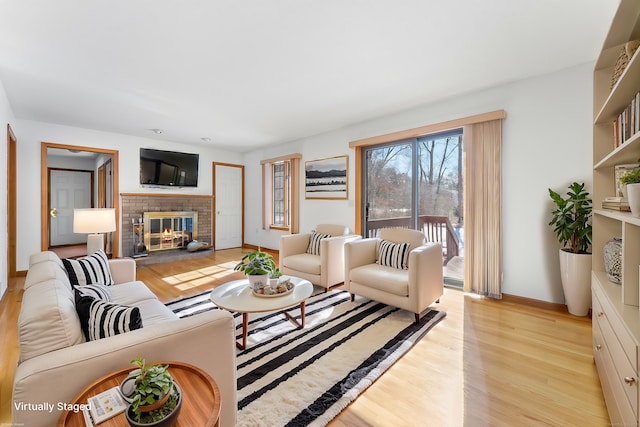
(245, 328)
(299, 324)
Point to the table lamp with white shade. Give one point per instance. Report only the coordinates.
(94, 222)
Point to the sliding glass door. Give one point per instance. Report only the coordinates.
(417, 183)
(388, 187)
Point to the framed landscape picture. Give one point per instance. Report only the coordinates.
(326, 178)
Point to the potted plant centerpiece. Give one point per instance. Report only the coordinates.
(156, 399)
(258, 266)
(631, 181)
(571, 221)
(274, 277)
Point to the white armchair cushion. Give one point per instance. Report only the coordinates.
(314, 242)
(394, 255)
(387, 279)
(304, 262)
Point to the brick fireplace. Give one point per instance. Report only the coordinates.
(165, 209)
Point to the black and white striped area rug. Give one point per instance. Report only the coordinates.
(300, 377)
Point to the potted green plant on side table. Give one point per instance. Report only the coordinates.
(156, 399)
(571, 221)
(258, 266)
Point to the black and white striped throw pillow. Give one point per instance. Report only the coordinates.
(96, 291)
(101, 319)
(92, 269)
(314, 242)
(394, 255)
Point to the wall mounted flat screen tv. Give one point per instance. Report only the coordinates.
(168, 168)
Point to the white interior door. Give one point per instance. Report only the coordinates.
(68, 190)
(229, 206)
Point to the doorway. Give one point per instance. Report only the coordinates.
(228, 209)
(98, 157)
(68, 189)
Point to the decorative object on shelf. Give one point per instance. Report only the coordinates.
(571, 221)
(631, 180)
(258, 266)
(612, 252)
(156, 399)
(633, 194)
(619, 171)
(327, 178)
(626, 53)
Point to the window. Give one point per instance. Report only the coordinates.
(280, 189)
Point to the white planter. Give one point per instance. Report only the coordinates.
(633, 194)
(258, 281)
(575, 272)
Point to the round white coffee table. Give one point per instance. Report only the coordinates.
(237, 296)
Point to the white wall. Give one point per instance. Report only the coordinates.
(547, 139)
(33, 133)
(6, 117)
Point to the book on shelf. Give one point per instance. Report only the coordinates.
(627, 124)
(621, 205)
(620, 170)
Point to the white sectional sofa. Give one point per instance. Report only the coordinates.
(56, 362)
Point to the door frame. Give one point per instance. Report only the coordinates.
(11, 202)
(213, 201)
(44, 190)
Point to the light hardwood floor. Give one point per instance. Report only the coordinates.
(488, 363)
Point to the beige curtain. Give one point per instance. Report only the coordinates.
(482, 209)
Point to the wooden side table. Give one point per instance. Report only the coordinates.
(200, 397)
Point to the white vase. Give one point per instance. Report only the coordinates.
(575, 272)
(633, 195)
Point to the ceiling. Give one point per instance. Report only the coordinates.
(249, 73)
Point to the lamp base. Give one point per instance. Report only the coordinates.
(95, 242)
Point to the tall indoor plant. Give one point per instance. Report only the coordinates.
(571, 221)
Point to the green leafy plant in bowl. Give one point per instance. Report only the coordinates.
(257, 263)
(155, 397)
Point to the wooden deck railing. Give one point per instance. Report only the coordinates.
(436, 228)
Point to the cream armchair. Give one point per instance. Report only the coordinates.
(325, 269)
(413, 289)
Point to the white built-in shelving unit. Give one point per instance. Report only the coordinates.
(616, 307)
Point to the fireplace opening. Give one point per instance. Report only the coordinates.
(169, 230)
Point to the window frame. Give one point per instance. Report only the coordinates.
(286, 190)
(291, 192)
